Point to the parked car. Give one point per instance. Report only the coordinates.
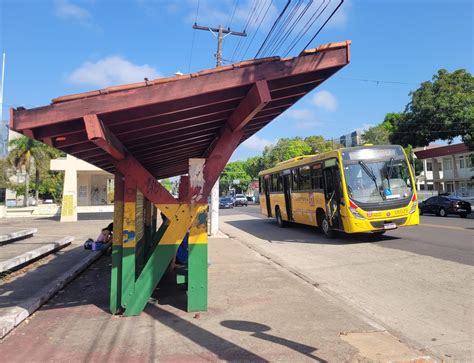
(226, 202)
(444, 205)
(240, 199)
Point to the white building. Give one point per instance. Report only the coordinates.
(446, 169)
(87, 189)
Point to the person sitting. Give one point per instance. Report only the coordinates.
(104, 237)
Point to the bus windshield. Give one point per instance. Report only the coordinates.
(375, 181)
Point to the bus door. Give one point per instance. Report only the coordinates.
(287, 192)
(332, 192)
(267, 194)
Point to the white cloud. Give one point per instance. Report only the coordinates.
(257, 143)
(326, 100)
(304, 118)
(66, 10)
(111, 70)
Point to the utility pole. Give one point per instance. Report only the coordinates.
(221, 33)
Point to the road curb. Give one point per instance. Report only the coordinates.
(17, 314)
(11, 237)
(29, 256)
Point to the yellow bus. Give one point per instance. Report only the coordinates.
(359, 189)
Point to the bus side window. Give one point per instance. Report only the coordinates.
(305, 178)
(274, 183)
(260, 184)
(294, 173)
(317, 176)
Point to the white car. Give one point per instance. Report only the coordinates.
(240, 199)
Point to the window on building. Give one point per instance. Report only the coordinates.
(429, 166)
(450, 187)
(422, 186)
(447, 164)
(430, 187)
(462, 162)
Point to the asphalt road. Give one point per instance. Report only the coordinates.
(449, 238)
(416, 282)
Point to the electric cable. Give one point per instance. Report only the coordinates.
(322, 26)
(194, 36)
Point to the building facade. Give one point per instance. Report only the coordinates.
(446, 169)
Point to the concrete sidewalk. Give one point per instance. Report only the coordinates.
(258, 312)
(25, 290)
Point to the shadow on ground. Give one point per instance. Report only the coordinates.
(268, 230)
(259, 331)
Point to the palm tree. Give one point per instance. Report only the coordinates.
(26, 153)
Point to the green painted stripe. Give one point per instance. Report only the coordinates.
(197, 277)
(116, 279)
(128, 275)
(149, 278)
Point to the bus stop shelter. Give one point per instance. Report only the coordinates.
(186, 125)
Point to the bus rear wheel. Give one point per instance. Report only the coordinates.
(279, 219)
(323, 223)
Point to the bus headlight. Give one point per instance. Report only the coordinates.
(413, 207)
(353, 208)
(356, 214)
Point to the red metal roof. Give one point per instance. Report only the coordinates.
(164, 122)
(442, 151)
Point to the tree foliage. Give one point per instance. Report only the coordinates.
(26, 156)
(286, 148)
(439, 109)
(234, 171)
(376, 135)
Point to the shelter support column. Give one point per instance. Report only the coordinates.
(129, 240)
(116, 272)
(197, 242)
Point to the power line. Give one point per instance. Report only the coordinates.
(376, 80)
(275, 23)
(194, 36)
(292, 27)
(238, 45)
(231, 17)
(324, 24)
(256, 30)
(307, 27)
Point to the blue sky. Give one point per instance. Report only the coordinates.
(59, 47)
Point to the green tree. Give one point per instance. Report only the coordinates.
(285, 149)
(377, 135)
(27, 155)
(4, 174)
(254, 165)
(439, 109)
(167, 184)
(235, 170)
(320, 145)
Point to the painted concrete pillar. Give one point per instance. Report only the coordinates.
(69, 203)
(436, 177)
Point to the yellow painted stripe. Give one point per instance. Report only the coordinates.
(441, 226)
(129, 215)
(118, 223)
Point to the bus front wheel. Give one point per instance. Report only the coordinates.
(325, 226)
